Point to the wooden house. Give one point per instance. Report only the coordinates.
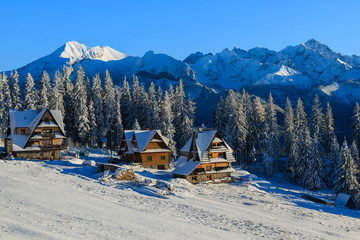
(205, 157)
(146, 147)
(35, 134)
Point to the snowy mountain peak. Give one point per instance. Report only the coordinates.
(76, 51)
(317, 46)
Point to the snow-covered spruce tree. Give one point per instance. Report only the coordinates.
(108, 108)
(355, 153)
(126, 105)
(15, 93)
(97, 99)
(136, 125)
(31, 93)
(118, 127)
(219, 118)
(81, 112)
(167, 127)
(44, 88)
(139, 97)
(235, 131)
(152, 108)
(183, 121)
(57, 99)
(346, 175)
(300, 121)
(268, 162)
(250, 139)
(69, 116)
(303, 156)
(271, 131)
(333, 162)
(3, 113)
(356, 124)
(289, 127)
(92, 124)
(317, 124)
(6, 92)
(329, 128)
(315, 172)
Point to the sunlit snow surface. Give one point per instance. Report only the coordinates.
(65, 200)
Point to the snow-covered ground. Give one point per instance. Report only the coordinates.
(65, 200)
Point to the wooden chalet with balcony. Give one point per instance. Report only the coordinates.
(35, 134)
(205, 157)
(145, 147)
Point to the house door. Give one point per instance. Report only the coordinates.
(52, 155)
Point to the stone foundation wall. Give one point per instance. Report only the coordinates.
(206, 177)
(38, 155)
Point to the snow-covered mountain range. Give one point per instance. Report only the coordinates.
(295, 71)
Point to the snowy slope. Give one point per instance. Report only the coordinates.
(64, 200)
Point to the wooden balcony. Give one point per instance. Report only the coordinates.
(48, 135)
(53, 147)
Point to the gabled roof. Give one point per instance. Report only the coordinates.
(344, 200)
(184, 167)
(29, 119)
(143, 137)
(203, 140)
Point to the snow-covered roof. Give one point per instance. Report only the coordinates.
(184, 167)
(186, 147)
(341, 200)
(217, 140)
(203, 141)
(143, 137)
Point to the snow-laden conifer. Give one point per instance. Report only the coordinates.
(69, 116)
(333, 162)
(303, 156)
(271, 131)
(136, 125)
(183, 121)
(108, 107)
(81, 111)
(126, 105)
(347, 172)
(44, 88)
(57, 101)
(167, 127)
(152, 108)
(268, 162)
(15, 93)
(118, 127)
(289, 128)
(356, 124)
(31, 93)
(329, 128)
(314, 173)
(97, 99)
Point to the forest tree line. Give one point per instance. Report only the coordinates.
(95, 112)
(313, 156)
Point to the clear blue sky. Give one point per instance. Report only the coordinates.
(32, 29)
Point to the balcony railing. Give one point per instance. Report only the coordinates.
(54, 147)
(48, 135)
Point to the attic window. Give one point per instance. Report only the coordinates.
(47, 119)
(23, 131)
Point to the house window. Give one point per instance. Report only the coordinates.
(162, 157)
(23, 131)
(194, 178)
(41, 154)
(221, 155)
(149, 158)
(208, 167)
(47, 119)
(47, 142)
(47, 131)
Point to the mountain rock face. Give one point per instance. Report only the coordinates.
(295, 71)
